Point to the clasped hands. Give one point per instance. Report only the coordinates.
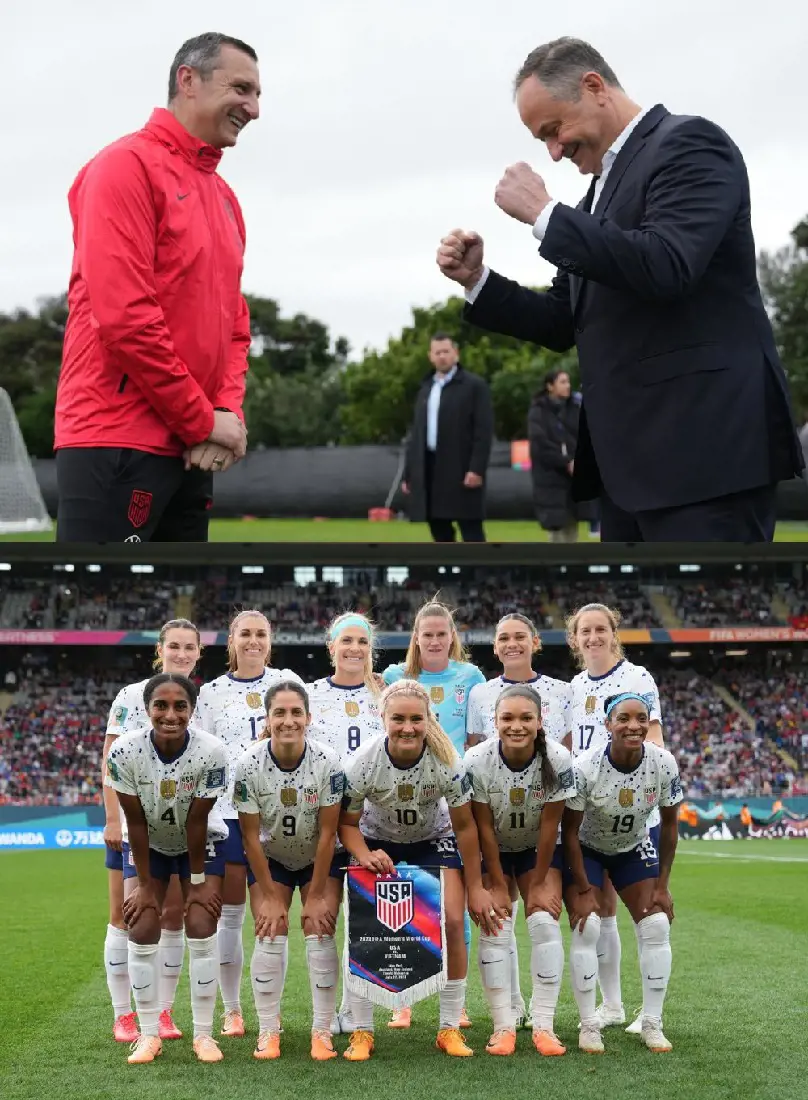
(226, 444)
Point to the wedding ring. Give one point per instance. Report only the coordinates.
(492, 912)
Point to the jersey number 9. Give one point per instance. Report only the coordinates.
(289, 823)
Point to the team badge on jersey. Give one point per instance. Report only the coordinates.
(112, 768)
(460, 694)
(650, 795)
(288, 796)
(429, 791)
(591, 704)
(168, 788)
(311, 796)
(394, 904)
(214, 778)
(352, 708)
(406, 792)
(436, 694)
(119, 715)
(537, 794)
(187, 783)
(240, 790)
(254, 700)
(626, 797)
(517, 796)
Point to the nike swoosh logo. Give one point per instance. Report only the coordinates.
(488, 962)
(206, 983)
(146, 986)
(588, 977)
(185, 196)
(546, 976)
(264, 981)
(173, 966)
(653, 979)
(120, 963)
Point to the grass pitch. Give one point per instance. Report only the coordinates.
(363, 531)
(737, 1011)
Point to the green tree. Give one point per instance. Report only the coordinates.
(30, 356)
(784, 280)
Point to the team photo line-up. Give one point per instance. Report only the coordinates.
(519, 788)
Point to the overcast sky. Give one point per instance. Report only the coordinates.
(384, 124)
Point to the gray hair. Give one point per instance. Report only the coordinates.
(559, 65)
(202, 53)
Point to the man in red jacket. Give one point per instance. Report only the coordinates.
(150, 394)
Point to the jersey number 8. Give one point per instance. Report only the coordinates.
(354, 737)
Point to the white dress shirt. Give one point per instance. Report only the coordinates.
(543, 220)
(433, 406)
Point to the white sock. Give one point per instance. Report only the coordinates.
(266, 972)
(116, 964)
(361, 1010)
(143, 974)
(203, 967)
(323, 965)
(517, 1000)
(546, 967)
(452, 998)
(584, 968)
(609, 954)
(495, 973)
(231, 955)
(172, 952)
(654, 934)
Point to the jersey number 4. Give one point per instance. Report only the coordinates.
(169, 816)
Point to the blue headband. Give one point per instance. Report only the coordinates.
(349, 621)
(622, 698)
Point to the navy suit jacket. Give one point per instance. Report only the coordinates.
(684, 396)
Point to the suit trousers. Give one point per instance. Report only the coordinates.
(748, 516)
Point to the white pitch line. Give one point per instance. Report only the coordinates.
(742, 857)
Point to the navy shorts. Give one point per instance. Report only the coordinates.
(284, 876)
(441, 852)
(234, 846)
(516, 864)
(163, 866)
(113, 861)
(623, 868)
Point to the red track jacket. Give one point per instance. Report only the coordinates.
(158, 331)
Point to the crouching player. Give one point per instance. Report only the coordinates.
(168, 778)
(288, 791)
(520, 781)
(618, 787)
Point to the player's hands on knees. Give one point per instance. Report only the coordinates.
(460, 257)
(317, 918)
(485, 912)
(661, 901)
(207, 895)
(209, 456)
(272, 918)
(581, 904)
(139, 901)
(542, 897)
(112, 836)
(229, 432)
(500, 897)
(379, 862)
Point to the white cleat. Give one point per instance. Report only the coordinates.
(521, 1017)
(652, 1036)
(610, 1015)
(635, 1027)
(589, 1040)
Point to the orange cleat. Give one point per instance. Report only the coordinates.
(145, 1049)
(322, 1048)
(361, 1046)
(502, 1042)
(124, 1030)
(233, 1024)
(548, 1043)
(401, 1018)
(167, 1028)
(450, 1040)
(207, 1049)
(464, 1019)
(268, 1046)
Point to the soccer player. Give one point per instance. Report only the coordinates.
(288, 790)
(516, 643)
(520, 780)
(436, 659)
(232, 708)
(168, 777)
(618, 786)
(178, 650)
(593, 641)
(415, 796)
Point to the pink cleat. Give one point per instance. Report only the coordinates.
(124, 1030)
(167, 1028)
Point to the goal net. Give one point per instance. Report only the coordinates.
(21, 505)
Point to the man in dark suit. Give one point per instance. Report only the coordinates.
(686, 425)
(449, 447)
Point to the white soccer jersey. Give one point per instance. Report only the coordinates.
(516, 797)
(404, 805)
(288, 802)
(166, 788)
(343, 717)
(589, 693)
(233, 710)
(616, 804)
(556, 706)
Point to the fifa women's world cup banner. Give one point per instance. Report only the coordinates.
(395, 943)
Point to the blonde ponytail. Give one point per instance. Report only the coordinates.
(436, 739)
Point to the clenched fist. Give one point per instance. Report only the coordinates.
(522, 193)
(460, 257)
